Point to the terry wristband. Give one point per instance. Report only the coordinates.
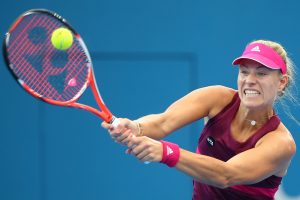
(171, 153)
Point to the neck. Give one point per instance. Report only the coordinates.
(254, 118)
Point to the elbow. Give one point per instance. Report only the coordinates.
(229, 177)
(220, 182)
(223, 183)
(226, 182)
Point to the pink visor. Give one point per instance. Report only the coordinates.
(264, 55)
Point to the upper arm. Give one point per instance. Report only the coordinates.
(199, 103)
(196, 105)
(270, 157)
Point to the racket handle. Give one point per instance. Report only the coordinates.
(115, 122)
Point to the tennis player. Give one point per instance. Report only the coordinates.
(244, 149)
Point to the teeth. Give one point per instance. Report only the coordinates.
(251, 93)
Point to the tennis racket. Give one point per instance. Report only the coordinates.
(58, 77)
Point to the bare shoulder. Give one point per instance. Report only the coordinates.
(217, 97)
(279, 148)
(216, 93)
(286, 138)
(281, 139)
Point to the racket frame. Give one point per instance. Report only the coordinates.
(104, 113)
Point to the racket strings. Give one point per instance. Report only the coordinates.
(54, 74)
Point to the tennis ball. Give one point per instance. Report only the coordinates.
(62, 38)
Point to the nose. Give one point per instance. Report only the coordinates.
(251, 78)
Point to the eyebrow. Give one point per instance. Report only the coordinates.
(263, 67)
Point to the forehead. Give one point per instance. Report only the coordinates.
(247, 63)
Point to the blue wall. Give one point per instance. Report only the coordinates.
(146, 55)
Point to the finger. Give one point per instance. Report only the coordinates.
(128, 151)
(126, 140)
(113, 129)
(139, 150)
(114, 135)
(122, 138)
(147, 159)
(142, 153)
(105, 125)
(126, 136)
(133, 141)
(129, 124)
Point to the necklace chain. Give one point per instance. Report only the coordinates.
(254, 122)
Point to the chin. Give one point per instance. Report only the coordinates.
(252, 103)
(252, 106)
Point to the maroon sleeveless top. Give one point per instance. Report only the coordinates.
(216, 141)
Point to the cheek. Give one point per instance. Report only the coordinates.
(270, 90)
(239, 81)
(239, 85)
(273, 84)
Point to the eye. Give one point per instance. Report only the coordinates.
(244, 72)
(261, 73)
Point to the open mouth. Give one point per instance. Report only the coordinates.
(251, 93)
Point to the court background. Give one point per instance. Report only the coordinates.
(146, 54)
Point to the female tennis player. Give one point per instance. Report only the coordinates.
(244, 149)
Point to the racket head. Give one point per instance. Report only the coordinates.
(56, 76)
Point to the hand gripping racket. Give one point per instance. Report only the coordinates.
(55, 76)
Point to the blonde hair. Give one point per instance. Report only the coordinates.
(291, 73)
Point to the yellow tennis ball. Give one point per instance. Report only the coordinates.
(62, 38)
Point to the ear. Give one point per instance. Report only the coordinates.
(283, 82)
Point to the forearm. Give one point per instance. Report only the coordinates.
(204, 169)
(154, 126)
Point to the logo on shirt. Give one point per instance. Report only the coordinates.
(210, 141)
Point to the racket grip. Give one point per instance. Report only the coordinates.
(115, 122)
